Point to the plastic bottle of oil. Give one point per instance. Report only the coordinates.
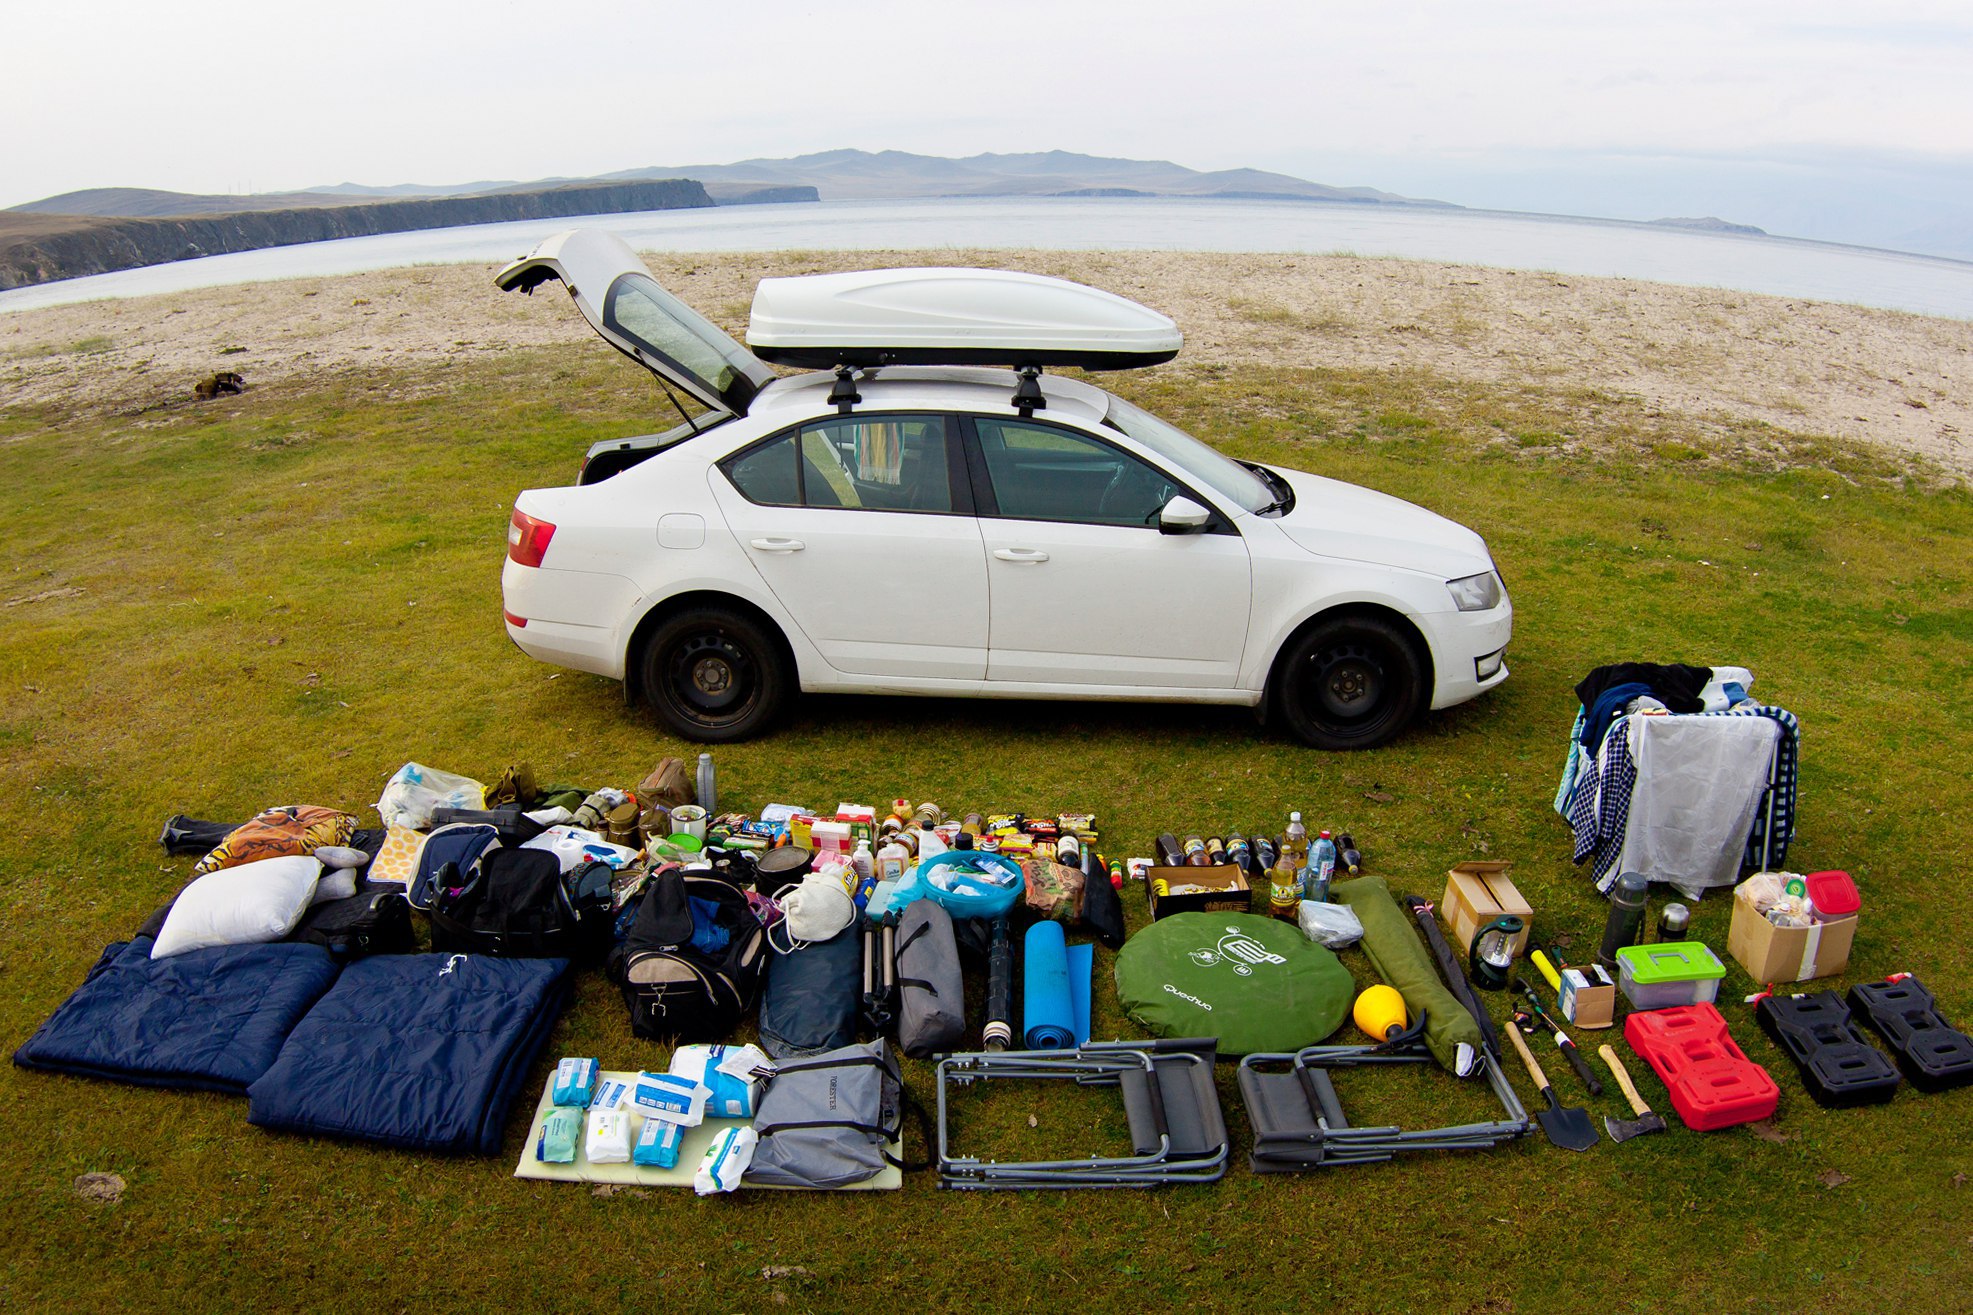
(1284, 899)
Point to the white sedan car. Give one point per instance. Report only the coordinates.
(920, 522)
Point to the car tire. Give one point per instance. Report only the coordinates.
(1349, 682)
(715, 675)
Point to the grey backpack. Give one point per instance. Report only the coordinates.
(829, 1121)
(932, 994)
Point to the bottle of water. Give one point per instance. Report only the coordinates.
(1322, 867)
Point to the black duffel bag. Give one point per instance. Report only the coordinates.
(690, 964)
(518, 904)
(371, 922)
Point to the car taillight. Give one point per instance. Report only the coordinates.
(527, 538)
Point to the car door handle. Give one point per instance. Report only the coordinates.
(1025, 556)
(778, 545)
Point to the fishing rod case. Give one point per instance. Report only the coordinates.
(931, 990)
(813, 996)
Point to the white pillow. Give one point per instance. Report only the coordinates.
(239, 906)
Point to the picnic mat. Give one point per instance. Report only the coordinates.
(691, 1149)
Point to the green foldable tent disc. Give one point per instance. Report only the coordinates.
(1258, 984)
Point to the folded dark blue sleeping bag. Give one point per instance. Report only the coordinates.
(424, 1052)
(209, 1020)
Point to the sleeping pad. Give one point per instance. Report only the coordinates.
(420, 1051)
(206, 1020)
(1390, 938)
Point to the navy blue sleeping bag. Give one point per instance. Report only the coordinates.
(424, 1052)
(209, 1020)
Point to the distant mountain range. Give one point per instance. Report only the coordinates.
(834, 176)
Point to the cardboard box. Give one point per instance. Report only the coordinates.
(1786, 954)
(1220, 888)
(1589, 997)
(1478, 892)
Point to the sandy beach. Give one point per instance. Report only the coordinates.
(1893, 380)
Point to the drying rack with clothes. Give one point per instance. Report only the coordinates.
(1691, 797)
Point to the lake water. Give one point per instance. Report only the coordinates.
(1780, 266)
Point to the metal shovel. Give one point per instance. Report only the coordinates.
(1568, 1128)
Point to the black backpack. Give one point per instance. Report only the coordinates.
(690, 965)
(516, 903)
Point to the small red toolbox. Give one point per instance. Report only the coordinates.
(1712, 1084)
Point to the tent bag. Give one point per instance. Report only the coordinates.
(932, 995)
(813, 997)
(1255, 983)
(828, 1121)
(690, 964)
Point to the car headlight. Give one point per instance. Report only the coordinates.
(1475, 593)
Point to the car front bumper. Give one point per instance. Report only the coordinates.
(1460, 641)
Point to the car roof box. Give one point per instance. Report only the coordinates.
(953, 317)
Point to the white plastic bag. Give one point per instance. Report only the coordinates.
(415, 790)
(1332, 925)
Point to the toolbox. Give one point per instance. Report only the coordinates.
(1711, 1082)
(1838, 1066)
(1933, 1054)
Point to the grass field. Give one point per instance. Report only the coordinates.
(281, 597)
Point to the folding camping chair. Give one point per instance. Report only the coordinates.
(1299, 1122)
(1177, 1131)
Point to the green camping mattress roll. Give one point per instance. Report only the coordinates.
(1255, 983)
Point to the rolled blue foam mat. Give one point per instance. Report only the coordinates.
(1055, 989)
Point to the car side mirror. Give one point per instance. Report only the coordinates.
(1182, 516)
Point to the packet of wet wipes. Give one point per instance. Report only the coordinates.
(609, 1137)
(611, 1094)
(732, 1150)
(559, 1134)
(657, 1144)
(575, 1082)
(671, 1098)
(728, 1073)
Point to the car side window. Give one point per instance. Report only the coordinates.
(768, 474)
(1041, 473)
(894, 463)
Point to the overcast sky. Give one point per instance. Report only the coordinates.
(1772, 112)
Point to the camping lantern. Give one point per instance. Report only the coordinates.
(1493, 952)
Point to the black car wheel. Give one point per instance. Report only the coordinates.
(1349, 682)
(715, 675)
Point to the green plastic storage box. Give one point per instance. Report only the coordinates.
(1668, 974)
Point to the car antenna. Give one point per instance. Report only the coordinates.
(843, 395)
(1027, 393)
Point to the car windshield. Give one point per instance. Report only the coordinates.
(1221, 473)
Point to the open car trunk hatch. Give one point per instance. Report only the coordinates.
(623, 303)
